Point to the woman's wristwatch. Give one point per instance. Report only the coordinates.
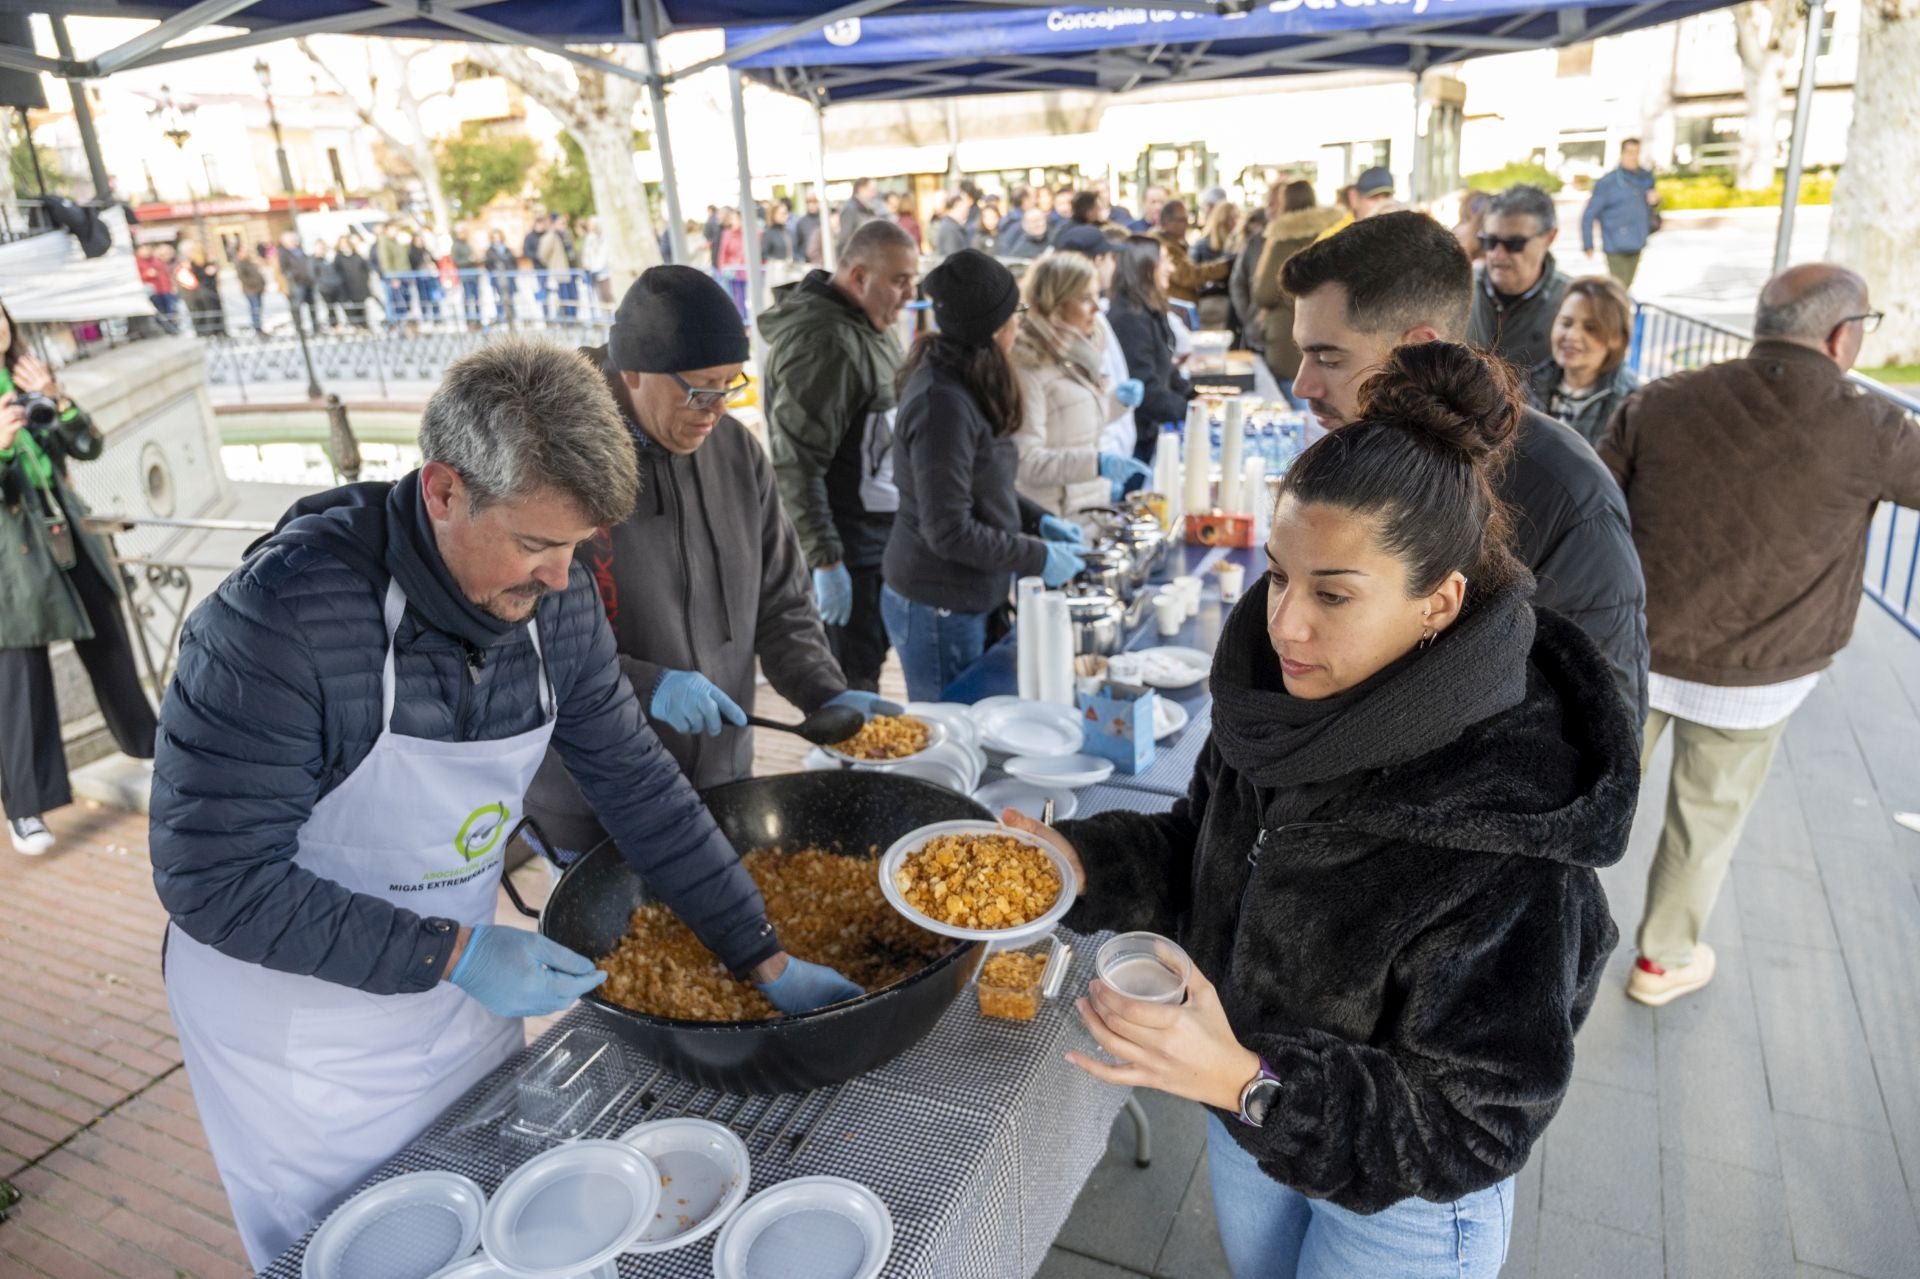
(1257, 1098)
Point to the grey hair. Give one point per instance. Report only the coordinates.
(1523, 199)
(1806, 303)
(520, 415)
(872, 238)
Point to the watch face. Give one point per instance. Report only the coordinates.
(1259, 1098)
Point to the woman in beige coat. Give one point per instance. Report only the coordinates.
(1065, 400)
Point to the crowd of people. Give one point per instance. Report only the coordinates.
(405, 276)
(1492, 586)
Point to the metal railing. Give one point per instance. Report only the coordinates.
(1669, 342)
(157, 590)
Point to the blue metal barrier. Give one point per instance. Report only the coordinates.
(1668, 342)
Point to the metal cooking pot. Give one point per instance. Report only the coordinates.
(856, 812)
(1098, 619)
(1109, 567)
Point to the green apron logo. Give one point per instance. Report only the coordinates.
(481, 831)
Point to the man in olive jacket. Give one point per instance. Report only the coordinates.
(1751, 484)
(829, 395)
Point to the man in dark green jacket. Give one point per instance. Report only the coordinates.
(829, 396)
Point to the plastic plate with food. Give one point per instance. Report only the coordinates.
(978, 881)
(889, 739)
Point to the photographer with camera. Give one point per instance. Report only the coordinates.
(60, 586)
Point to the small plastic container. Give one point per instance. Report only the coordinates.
(1013, 982)
(1209, 358)
(1145, 966)
(564, 1093)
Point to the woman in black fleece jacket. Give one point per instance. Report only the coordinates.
(1386, 859)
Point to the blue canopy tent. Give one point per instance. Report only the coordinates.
(869, 49)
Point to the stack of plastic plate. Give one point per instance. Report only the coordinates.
(569, 1211)
(1015, 727)
(408, 1227)
(1070, 771)
(807, 1228)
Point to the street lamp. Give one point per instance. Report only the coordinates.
(265, 72)
(172, 118)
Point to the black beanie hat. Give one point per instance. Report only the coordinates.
(972, 296)
(676, 318)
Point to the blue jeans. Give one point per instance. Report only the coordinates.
(256, 310)
(935, 644)
(1271, 1231)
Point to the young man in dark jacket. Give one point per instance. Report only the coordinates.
(1753, 574)
(706, 575)
(831, 361)
(1402, 277)
(1517, 288)
(356, 713)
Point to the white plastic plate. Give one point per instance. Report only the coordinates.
(1011, 792)
(704, 1173)
(575, 1207)
(913, 841)
(484, 1267)
(1060, 770)
(807, 1228)
(1171, 666)
(407, 1227)
(957, 716)
(986, 705)
(1032, 728)
(936, 734)
(1169, 717)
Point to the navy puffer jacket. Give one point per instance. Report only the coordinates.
(277, 699)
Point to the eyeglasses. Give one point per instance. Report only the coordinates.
(1869, 320)
(709, 399)
(1511, 243)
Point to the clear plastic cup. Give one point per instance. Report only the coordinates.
(1145, 966)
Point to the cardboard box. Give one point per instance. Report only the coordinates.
(1219, 528)
(1118, 725)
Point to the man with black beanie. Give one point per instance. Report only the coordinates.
(707, 574)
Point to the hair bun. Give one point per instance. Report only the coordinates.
(1455, 396)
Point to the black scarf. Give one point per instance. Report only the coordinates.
(1416, 705)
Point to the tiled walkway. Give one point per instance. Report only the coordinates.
(1768, 1127)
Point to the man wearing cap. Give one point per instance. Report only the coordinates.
(1119, 435)
(1371, 193)
(707, 574)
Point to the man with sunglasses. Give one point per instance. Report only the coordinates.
(1517, 289)
(1751, 485)
(707, 574)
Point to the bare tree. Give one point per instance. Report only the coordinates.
(597, 107)
(387, 102)
(1767, 34)
(1876, 202)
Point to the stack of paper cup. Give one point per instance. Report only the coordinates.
(1253, 494)
(1196, 496)
(1166, 473)
(1026, 642)
(1232, 436)
(1055, 658)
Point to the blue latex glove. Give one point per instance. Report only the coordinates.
(868, 704)
(1120, 470)
(803, 987)
(688, 702)
(1055, 529)
(1130, 393)
(833, 592)
(516, 973)
(1063, 561)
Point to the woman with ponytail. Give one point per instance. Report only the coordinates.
(1384, 868)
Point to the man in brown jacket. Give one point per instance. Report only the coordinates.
(1751, 485)
(1189, 277)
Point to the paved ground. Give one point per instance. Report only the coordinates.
(1768, 1127)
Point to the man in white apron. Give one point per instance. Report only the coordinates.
(356, 716)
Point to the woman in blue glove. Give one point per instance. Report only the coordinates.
(1065, 400)
(963, 529)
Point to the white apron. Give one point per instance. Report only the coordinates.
(305, 1086)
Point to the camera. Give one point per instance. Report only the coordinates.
(42, 411)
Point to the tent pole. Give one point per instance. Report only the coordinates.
(1416, 186)
(657, 100)
(1797, 146)
(829, 248)
(82, 111)
(749, 211)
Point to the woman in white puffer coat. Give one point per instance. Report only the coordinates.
(1064, 396)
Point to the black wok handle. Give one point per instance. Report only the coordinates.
(540, 846)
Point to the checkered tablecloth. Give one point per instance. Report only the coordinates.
(977, 1139)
